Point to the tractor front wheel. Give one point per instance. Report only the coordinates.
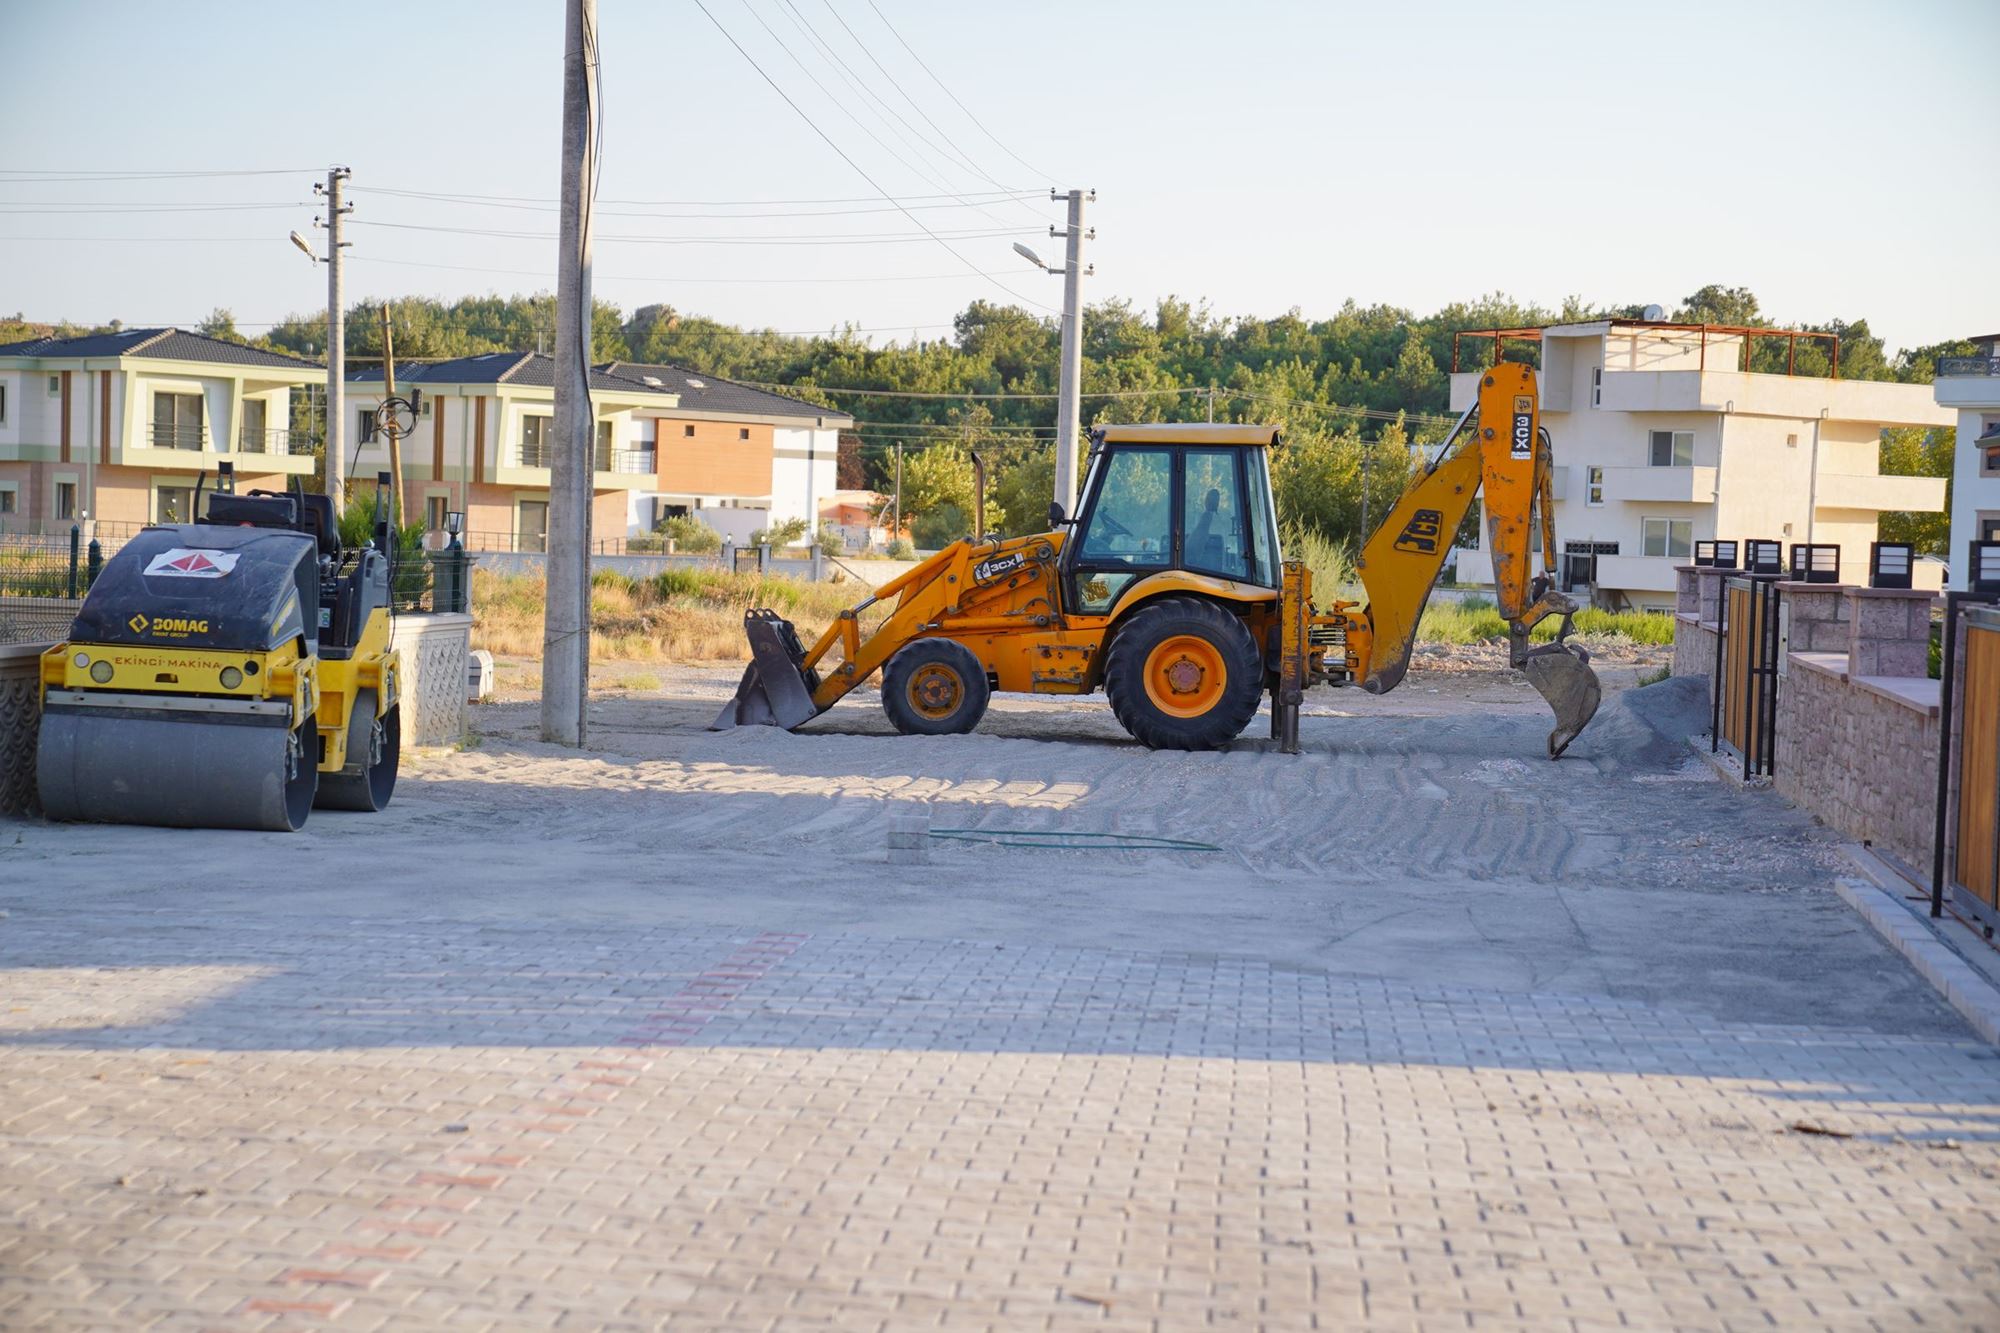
(1184, 674)
(934, 687)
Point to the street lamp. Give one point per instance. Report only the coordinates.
(1019, 249)
(305, 247)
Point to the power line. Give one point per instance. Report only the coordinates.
(829, 238)
(544, 207)
(949, 93)
(86, 210)
(65, 175)
(912, 199)
(610, 277)
(914, 138)
(828, 140)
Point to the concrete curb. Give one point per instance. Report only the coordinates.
(1972, 995)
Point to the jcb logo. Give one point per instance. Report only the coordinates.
(1420, 534)
(1523, 445)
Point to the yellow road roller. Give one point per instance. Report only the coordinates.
(234, 672)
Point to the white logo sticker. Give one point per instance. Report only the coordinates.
(182, 563)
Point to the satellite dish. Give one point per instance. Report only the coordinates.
(1653, 312)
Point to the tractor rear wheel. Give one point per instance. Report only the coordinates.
(1184, 674)
(934, 687)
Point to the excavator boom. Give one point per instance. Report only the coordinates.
(1498, 448)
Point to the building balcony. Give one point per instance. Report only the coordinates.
(1660, 485)
(279, 442)
(1921, 495)
(1638, 573)
(1967, 381)
(163, 436)
(527, 464)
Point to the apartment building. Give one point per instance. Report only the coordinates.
(115, 429)
(736, 457)
(670, 441)
(1969, 388)
(1662, 439)
(483, 438)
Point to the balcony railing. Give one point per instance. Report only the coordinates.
(1967, 365)
(604, 460)
(179, 436)
(297, 444)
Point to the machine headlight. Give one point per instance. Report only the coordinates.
(231, 678)
(82, 660)
(100, 671)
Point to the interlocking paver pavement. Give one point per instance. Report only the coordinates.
(212, 1122)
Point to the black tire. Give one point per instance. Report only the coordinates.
(1218, 710)
(363, 785)
(935, 687)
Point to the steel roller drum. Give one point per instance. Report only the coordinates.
(180, 768)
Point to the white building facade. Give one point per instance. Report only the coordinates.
(1660, 442)
(1969, 387)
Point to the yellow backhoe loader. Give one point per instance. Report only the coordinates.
(1168, 590)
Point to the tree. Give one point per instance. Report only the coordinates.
(1919, 452)
(1716, 304)
(848, 472)
(220, 324)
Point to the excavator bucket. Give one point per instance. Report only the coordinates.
(776, 690)
(1561, 673)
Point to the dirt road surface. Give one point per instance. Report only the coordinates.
(1430, 1032)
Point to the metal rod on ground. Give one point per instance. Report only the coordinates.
(1069, 410)
(565, 624)
(395, 428)
(336, 345)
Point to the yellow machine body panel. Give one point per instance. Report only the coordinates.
(374, 666)
(281, 675)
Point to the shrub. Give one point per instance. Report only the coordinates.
(690, 534)
(779, 535)
(940, 527)
(902, 549)
(831, 543)
(1331, 563)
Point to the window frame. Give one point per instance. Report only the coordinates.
(1666, 551)
(3, 404)
(10, 500)
(1593, 486)
(175, 398)
(1597, 386)
(1673, 441)
(56, 500)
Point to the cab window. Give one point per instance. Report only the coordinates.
(1131, 524)
(1212, 514)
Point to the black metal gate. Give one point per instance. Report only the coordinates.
(1744, 702)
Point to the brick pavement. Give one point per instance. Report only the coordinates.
(210, 1122)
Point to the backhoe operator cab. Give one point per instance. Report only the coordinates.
(1169, 592)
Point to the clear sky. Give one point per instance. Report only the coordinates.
(1836, 158)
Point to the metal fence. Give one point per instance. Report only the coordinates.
(42, 583)
(432, 581)
(1965, 864)
(1744, 693)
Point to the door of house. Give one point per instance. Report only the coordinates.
(534, 526)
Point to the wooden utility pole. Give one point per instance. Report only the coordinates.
(566, 617)
(398, 515)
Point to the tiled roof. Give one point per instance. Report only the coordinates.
(700, 391)
(159, 344)
(534, 369)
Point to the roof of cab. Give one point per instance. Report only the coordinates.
(1187, 432)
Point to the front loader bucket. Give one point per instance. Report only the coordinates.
(1561, 673)
(776, 690)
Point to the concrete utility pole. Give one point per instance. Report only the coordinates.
(1069, 407)
(897, 531)
(566, 618)
(336, 343)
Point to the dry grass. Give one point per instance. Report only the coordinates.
(679, 615)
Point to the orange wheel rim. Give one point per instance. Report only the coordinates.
(1185, 676)
(936, 691)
